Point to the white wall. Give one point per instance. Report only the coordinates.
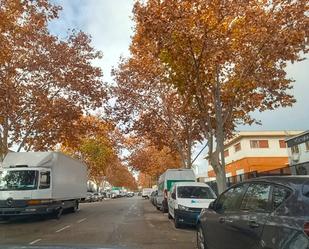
(273, 150)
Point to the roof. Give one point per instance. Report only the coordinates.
(242, 134)
(198, 184)
(32, 159)
(285, 180)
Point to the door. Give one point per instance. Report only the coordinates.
(44, 190)
(246, 225)
(172, 201)
(217, 225)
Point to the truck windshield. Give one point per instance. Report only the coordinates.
(18, 180)
(194, 192)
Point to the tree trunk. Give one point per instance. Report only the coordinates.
(4, 139)
(221, 180)
(219, 136)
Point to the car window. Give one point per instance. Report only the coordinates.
(297, 241)
(230, 200)
(195, 192)
(256, 197)
(44, 180)
(306, 189)
(280, 194)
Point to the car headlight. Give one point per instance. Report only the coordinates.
(184, 208)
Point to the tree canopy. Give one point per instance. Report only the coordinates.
(46, 83)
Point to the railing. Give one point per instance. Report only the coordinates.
(300, 169)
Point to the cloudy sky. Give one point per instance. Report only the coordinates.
(110, 25)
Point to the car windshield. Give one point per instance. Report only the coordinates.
(18, 180)
(195, 192)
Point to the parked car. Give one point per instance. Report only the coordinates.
(89, 197)
(166, 180)
(268, 212)
(146, 192)
(153, 196)
(186, 201)
(98, 196)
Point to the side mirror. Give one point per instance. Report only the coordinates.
(174, 196)
(212, 205)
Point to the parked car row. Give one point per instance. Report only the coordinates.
(94, 196)
(266, 212)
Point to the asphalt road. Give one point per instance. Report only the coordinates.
(120, 223)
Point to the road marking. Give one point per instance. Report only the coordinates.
(81, 220)
(61, 229)
(35, 241)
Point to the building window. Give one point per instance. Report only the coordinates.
(259, 144)
(307, 146)
(295, 149)
(282, 144)
(237, 147)
(226, 153)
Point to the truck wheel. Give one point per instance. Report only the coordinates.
(57, 213)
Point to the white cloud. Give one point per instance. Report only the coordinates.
(107, 21)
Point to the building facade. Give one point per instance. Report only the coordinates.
(298, 151)
(255, 151)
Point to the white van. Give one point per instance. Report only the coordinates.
(166, 181)
(146, 192)
(186, 201)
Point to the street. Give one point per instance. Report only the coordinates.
(119, 223)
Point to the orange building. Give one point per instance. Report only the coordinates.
(259, 151)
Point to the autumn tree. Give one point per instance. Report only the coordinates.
(120, 175)
(46, 83)
(98, 144)
(146, 108)
(145, 181)
(228, 57)
(152, 161)
(94, 145)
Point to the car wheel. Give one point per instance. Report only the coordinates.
(176, 222)
(200, 238)
(169, 216)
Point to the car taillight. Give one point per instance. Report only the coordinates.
(306, 228)
(165, 193)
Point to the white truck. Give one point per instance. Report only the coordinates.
(146, 192)
(40, 183)
(166, 181)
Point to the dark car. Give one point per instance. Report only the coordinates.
(268, 212)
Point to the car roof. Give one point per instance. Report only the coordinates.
(198, 184)
(284, 180)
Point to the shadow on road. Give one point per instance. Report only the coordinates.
(30, 219)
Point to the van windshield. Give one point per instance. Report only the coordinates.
(18, 180)
(195, 192)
